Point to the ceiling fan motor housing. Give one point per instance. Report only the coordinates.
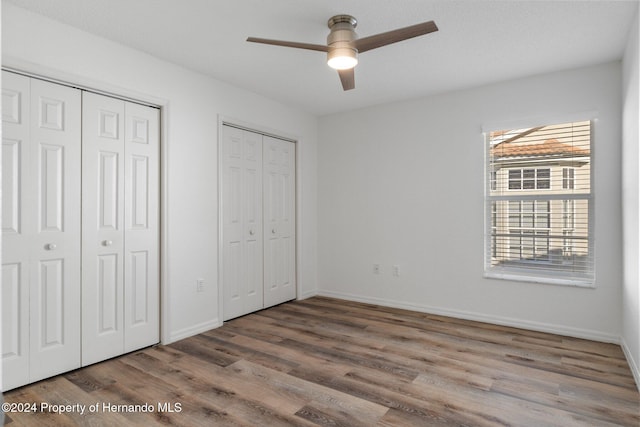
(340, 39)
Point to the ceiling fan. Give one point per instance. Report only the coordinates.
(343, 44)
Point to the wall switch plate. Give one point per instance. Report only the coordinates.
(199, 285)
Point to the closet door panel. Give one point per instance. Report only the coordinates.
(252, 207)
(141, 231)
(108, 168)
(13, 176)
(15, 326)
(242, 221)
(17, 229)
(102, 227)
(233, 222)
(279, 221)
(54, 274)
(233, 273)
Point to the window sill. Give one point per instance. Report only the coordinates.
(550, 280)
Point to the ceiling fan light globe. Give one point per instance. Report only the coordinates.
(342, 62)
(342, 58)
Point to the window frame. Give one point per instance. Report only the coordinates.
(521, 273)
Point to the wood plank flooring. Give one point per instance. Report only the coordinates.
(330, 362)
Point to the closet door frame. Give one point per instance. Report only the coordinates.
(103, 87)
(252, 127)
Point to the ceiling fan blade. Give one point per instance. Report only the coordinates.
(372, 42)
(308, 46)
(348, 78)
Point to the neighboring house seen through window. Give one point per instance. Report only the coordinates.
(539, 204)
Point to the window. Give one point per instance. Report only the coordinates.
(529, 179)
(568, 175)
(529, 225)
(539, 204)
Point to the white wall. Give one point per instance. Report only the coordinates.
(631, 196)
(193, 104)
(403, 184)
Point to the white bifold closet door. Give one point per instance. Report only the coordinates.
(120, 264)
(242, 218)
(40, 229)
(258, 221)
(80, 228)
(279, 220)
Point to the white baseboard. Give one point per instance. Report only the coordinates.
(479, 317)
(307, 295)
(193, 330)
(635, 370)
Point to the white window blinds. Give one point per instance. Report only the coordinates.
(539, 205)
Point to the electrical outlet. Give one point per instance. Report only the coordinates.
(376, 268)
(396, 270)
(199, 285)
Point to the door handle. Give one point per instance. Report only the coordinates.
(107, 243)
(273, 231)
(50, 246)
(252, 232)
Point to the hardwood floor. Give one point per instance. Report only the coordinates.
(329, 362)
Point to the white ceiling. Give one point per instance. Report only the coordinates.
(479, 42)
